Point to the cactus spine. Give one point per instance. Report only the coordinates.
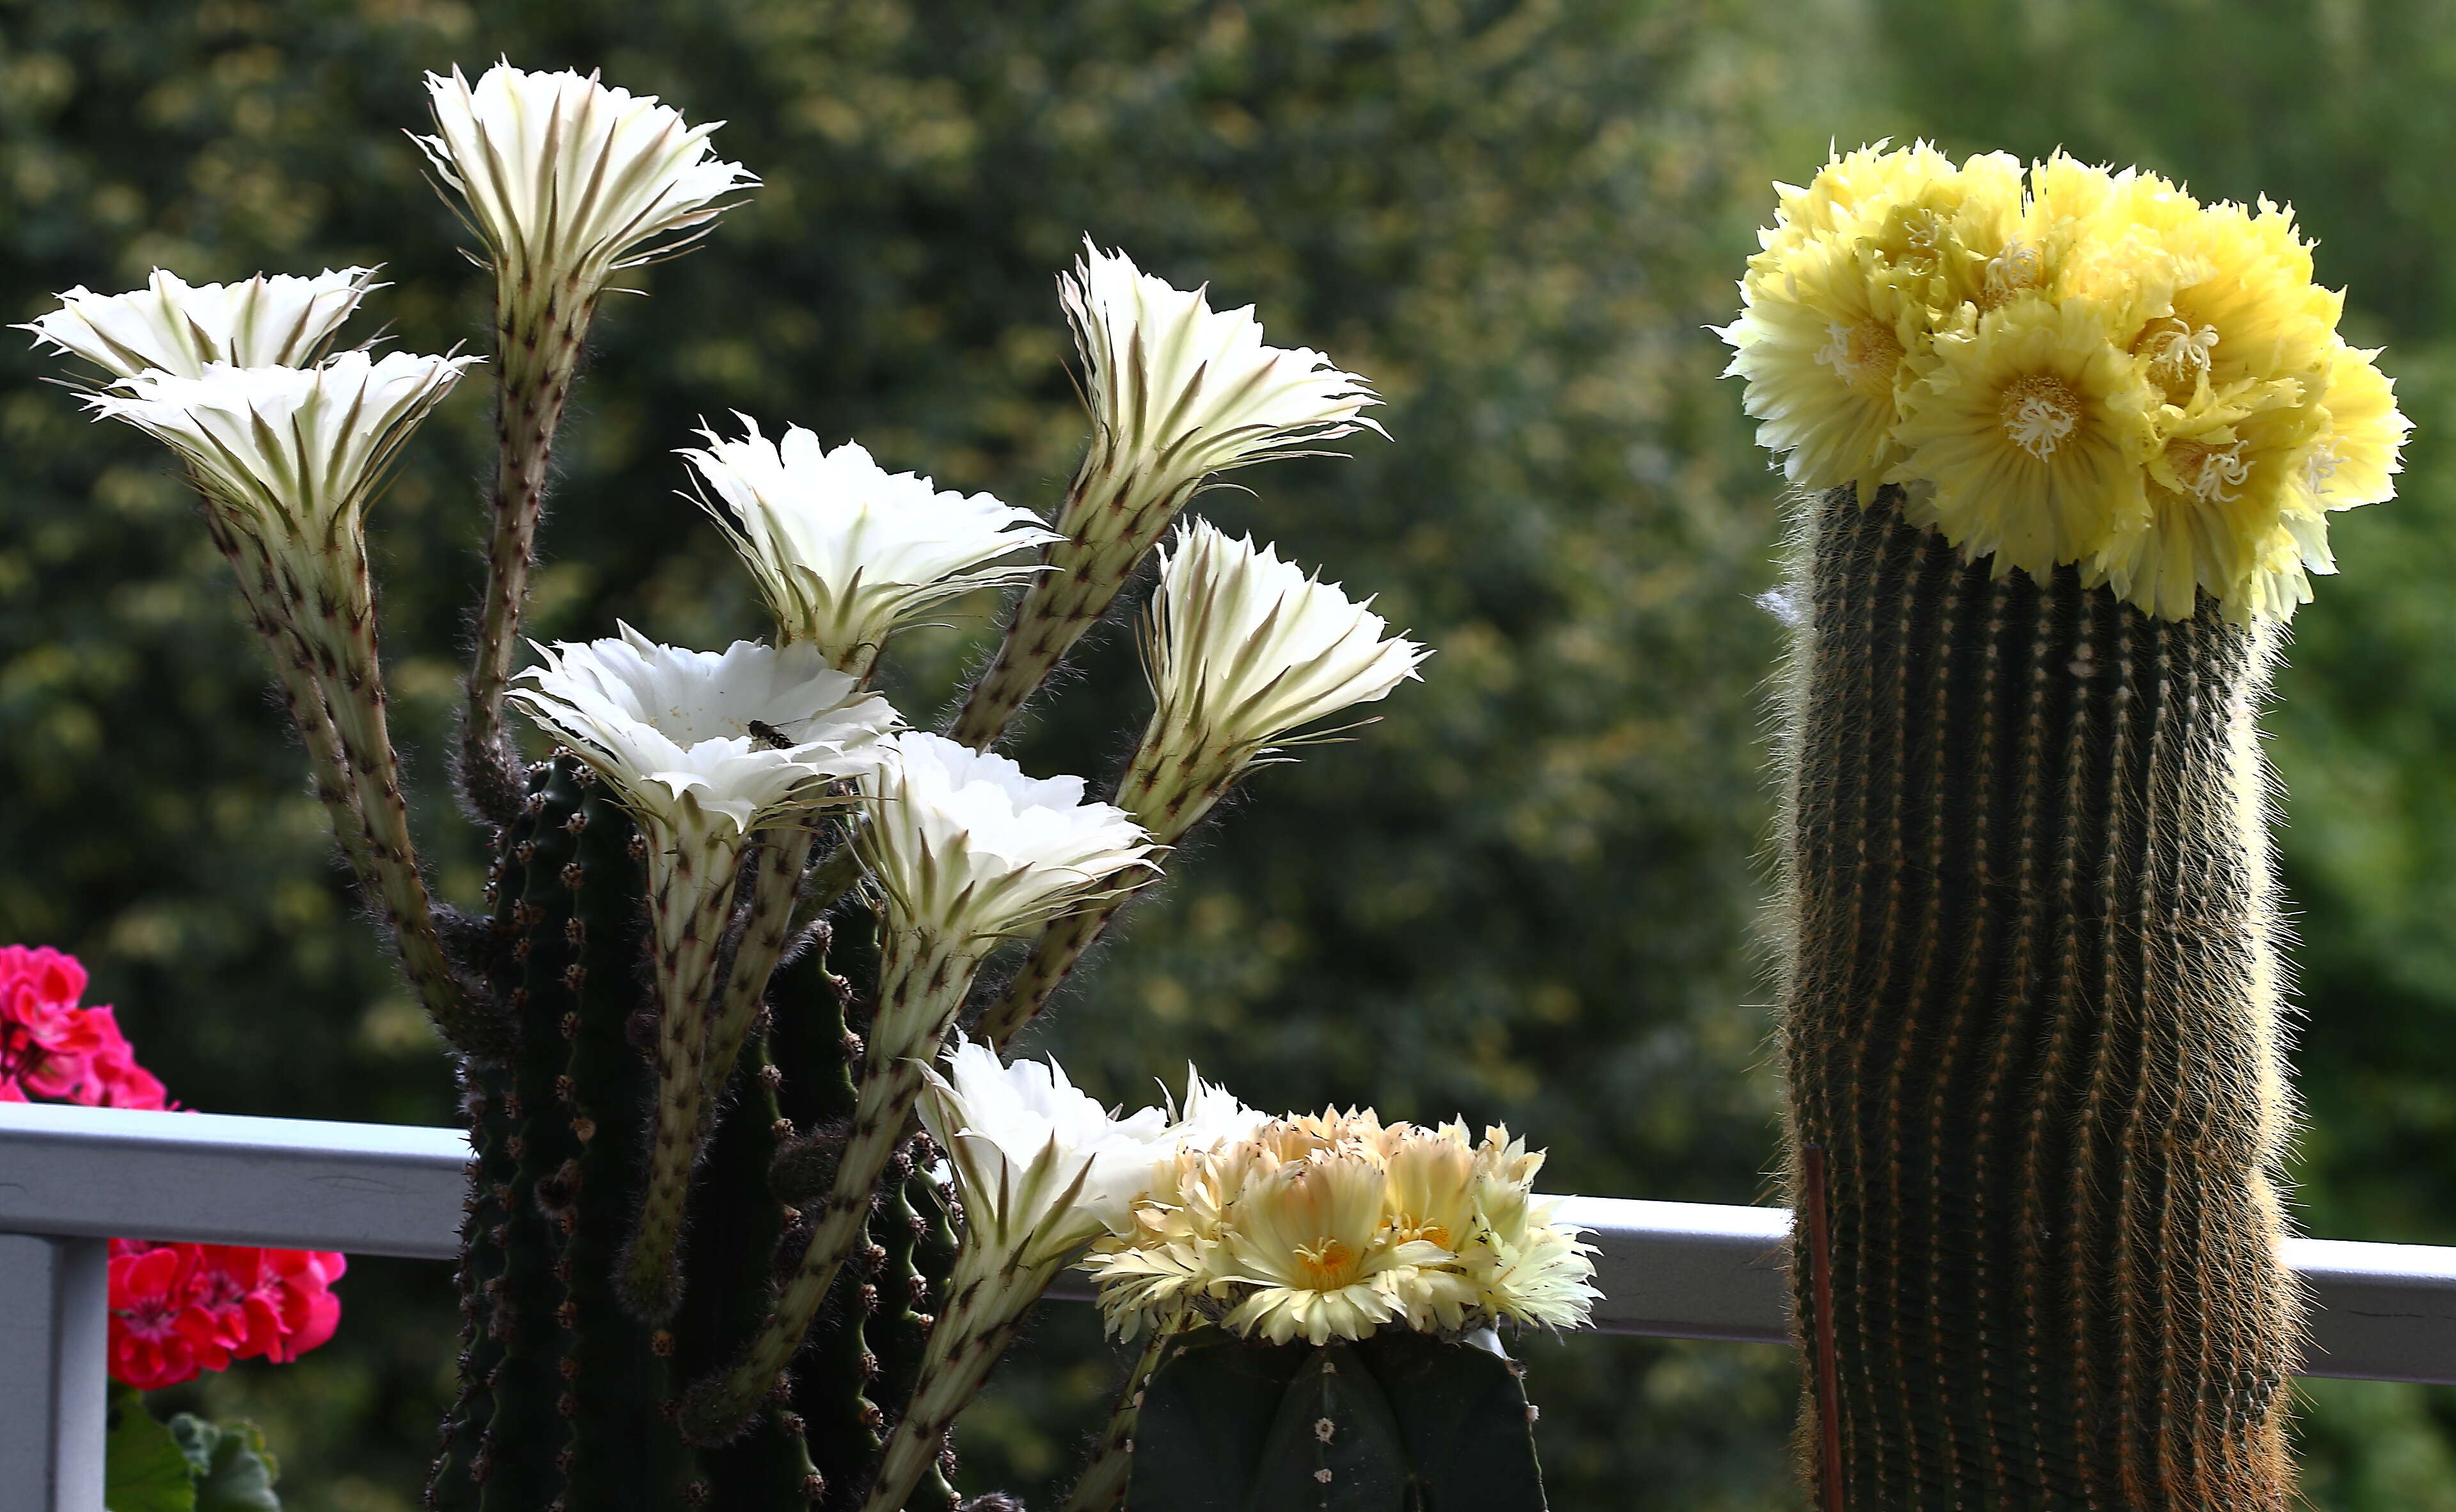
(2030, 1013)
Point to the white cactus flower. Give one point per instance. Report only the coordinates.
(290, 453)
(1180, 390)
(174, 327)
(843, 550)
(1246, 648)
(708, 742)
(570, 180)
(1042, 1167)
(968, 848)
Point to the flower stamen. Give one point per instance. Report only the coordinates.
(2039, 412)
(1864, 355)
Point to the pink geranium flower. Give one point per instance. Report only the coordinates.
(175, 1309)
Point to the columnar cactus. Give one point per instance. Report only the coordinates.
(2066, 452)
(708, 1258)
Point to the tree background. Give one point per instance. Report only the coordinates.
(1527, 892)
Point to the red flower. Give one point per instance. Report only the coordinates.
(175, 1309)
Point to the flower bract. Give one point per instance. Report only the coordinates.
(289, 453)
(174, 327)
(568, 180)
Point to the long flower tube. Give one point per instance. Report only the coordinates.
(967, 851)
(1242, 649)
(705, 749)
(288, 459)
(566, 182)
(1042, 1170)
(1179, 392)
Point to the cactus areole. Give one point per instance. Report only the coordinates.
(2065, 449)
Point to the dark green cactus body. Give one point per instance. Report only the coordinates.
(530, 1424)
(1395, 1422)
(858, 1365)
(568, 1401)
(454, 1483)
(624, 1452)
(2031, 1017)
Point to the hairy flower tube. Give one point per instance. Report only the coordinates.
(171, 326)
(566, 182)
(1242, 649)
(287, 461)
(1042, 1170)
(704, 749)
(1179, 392)
(843, 550)
(965, 851)
(2083, 367)
(1336, 1225)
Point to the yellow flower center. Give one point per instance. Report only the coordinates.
(2017, 267)
(2178, 354)
(2039, 412)
(1407, 1228)
(1862, 355)
(2212, 475)
(1327, 1266)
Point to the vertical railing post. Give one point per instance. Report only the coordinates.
(55, 1328)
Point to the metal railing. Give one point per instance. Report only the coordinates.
(70, 1178)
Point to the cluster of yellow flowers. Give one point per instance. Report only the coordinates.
(1331, 1226)
(2090, 367)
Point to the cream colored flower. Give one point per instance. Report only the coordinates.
(1180, 390)
(568, 180)
(966, 847)
(290, 454)
(1822, 343)
(845, 551)
(173, 327)
(1310, 1238)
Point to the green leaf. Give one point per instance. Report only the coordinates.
(1465, 1420)
(144, 1466)
(233, 1470)
(1206, 1415)
(1335, 1446)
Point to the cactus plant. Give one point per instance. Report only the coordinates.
(2066, 451)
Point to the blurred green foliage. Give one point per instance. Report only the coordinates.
(1527, 892)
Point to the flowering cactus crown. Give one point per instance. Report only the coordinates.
(2081, 367)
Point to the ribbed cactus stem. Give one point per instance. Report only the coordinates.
(1102, 1486)
(922, 982)
(978, 1323)
(783, 856)
(690, 899)
(2031, 1015)
(538, 336)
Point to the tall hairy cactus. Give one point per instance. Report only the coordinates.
(2066, 443)
(2033, 1021)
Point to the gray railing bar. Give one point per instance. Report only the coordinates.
(55, 1360)
(1678, 1270)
